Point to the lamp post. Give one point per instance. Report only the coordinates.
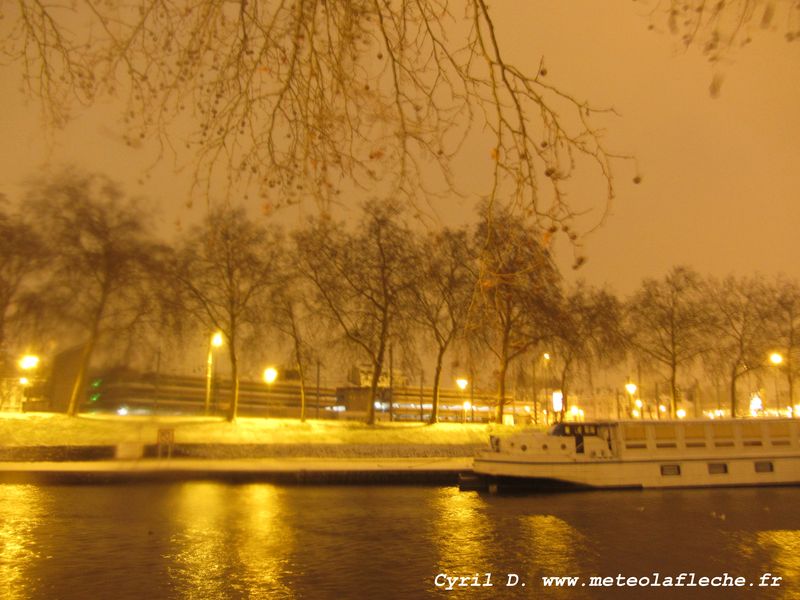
(462, 384)
(27, 364)
(215, 342)
(631, 388)
(270, 375)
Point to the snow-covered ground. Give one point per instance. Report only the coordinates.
(46, 429)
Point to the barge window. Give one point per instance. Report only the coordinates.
(723, 444)
(752, 442)
(781, 442)
(666, 445)
(717, 468)
(695, 444)
(635, 445)
(764, 466)
(669, 470)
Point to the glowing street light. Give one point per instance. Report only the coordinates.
(680, 413)
(558, 401)
(216, 339)
(270, 375)
(215, 342)
(462, 383)
(631, 388)
(28, 362)
(775, 358)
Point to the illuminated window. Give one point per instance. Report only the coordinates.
(717, 468)
(764, 466)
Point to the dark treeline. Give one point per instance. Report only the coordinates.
(78, 262)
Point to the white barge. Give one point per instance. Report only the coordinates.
(645, 454)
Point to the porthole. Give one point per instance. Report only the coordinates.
(523, 447)
(563, 446)
(544, 446)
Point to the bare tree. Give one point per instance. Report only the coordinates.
(668, 321)
(441, 293)
(786, 317)
(518, 291)
(295, 97)
(225, 269)
(292, 315)
(98, 274)
(588, 331)
(741, 328)
(359, 279)
(23, 255)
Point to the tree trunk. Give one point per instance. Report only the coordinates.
(377, 367)
(86, 357)
(673, 386)
(234, 408)
(437, 374)
(564, 393)
(298, 353)
(501, 390)
(734, 376)
(302, 391)
(80, 378)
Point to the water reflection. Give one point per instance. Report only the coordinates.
(219, 541)
(784, 555)
(554, 544)
(21, 515)
(462, 534)
(230, 541)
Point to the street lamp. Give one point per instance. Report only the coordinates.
(631, 388)
(215, 342)
(462, 384)
(28, 362)
(468, 406)
(270, 375)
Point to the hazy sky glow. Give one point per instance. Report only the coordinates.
(720, 176)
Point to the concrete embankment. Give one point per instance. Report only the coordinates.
(359, 464)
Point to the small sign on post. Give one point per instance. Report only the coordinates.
(166, 438)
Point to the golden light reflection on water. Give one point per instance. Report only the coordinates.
(232, 540)
(784, 549)
(462, 531)
(21, 514)
(554, 543)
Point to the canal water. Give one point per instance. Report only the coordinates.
(204, 540)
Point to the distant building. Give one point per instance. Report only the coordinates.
(361, 376)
